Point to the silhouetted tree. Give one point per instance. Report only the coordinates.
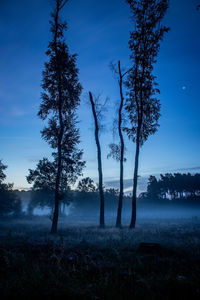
(174, 186)
(44, 181)
(117, 151)
(2, 169)
(60, 100)
(153, 188)
(142, 105)
(86, 185)
(96, 114)
(9, 202)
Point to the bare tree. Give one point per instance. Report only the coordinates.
(96, 113)
(117, 151)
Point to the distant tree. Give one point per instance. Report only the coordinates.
(96, 114)
(196, 184)
(60, 100)
(153, 188)
(9, 202)
(44, 181)
(2, 169)
(86, 185)
(117, 151)
(142, 104)
(174, 186)
(44, 176)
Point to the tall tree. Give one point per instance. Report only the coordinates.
(60, 100)
(142, 104)
(117, 151)
(96, 114)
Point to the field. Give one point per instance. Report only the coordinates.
(85, 262)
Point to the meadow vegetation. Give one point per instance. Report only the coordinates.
(86, 262)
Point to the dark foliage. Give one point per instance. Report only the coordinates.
(86, 185)
(10, 203)
(142, 104)
(60, 100)
(174, 186)
(2, 169)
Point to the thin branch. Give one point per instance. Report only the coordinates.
(62, 5)
(124, 74)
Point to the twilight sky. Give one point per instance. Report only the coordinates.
(98, 31)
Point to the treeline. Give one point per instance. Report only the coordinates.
(80, 202)
(10, 202)
(169, 189)
(83, 199)
(173, 186)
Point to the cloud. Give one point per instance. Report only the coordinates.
(13, 111)
(189, 169)
(17, 112)
(128, 184)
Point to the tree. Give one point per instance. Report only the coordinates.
(44, 181)
(44, 176)
(117, 151)
(142, 104)
(174, 186)
(153, 188)
(86, 185)
(96, 114)
(9, 202)
(60, 100)
(2, 169)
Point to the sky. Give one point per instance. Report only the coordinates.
(98, 31)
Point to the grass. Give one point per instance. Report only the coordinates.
(92, 263)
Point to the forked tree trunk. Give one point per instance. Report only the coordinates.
(101, 194)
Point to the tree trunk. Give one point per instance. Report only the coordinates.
(101, 194)
(54, 226)
(119, 210)
(135, 180)
(60, 136)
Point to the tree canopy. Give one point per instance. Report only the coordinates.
(10, 203)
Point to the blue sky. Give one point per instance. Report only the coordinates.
(98, 31)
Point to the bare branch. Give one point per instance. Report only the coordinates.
(63, 4)
(124, 74)
(115, 69)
